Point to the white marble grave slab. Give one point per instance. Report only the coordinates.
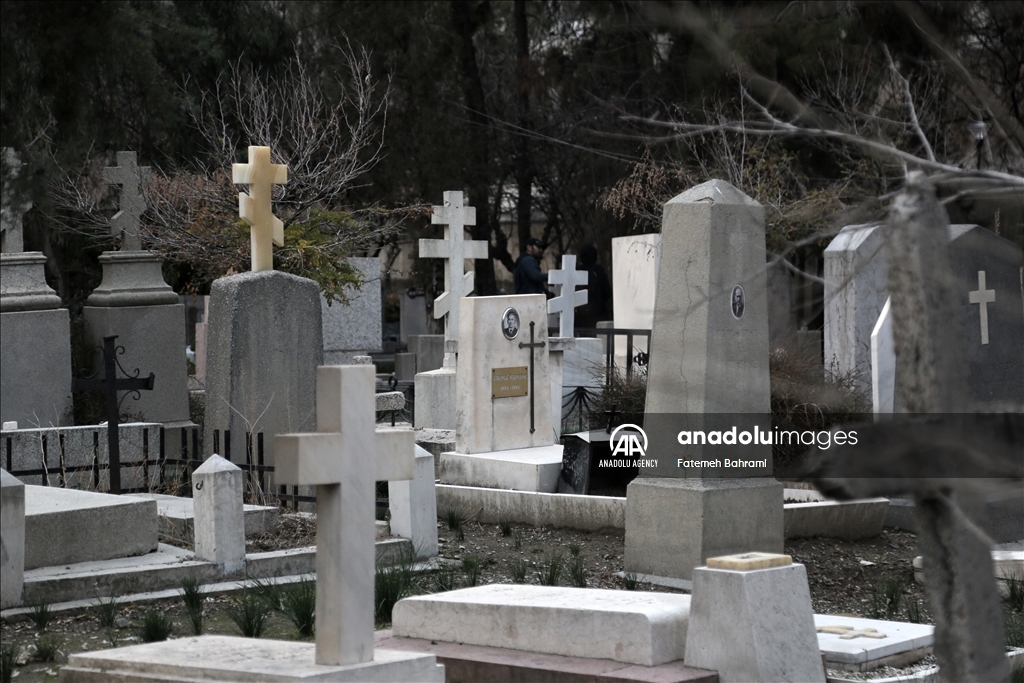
(226, 658)
(899, 638)
(520, 469)
(635, 262)
(624, 626)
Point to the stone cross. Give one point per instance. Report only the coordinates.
(129, 177)
(344, 459)
(983, 297)
(254, 208)
(454, 249)
(12, 210)
(568, 299)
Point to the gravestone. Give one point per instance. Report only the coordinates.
(708, 372)
(413, 506)
(635, 263)
(343, 459)
(134, 303)
(412, 314)
(219, 526)
(12, 540)
(428, 349)
(751, 620)
(436, 388)
(265, 334)
(35, 332)
(503, 433)
(856, 276)
(354, 329)
(202, 330)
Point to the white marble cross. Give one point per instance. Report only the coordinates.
(454, 249)
(129, 177)
(344, 459)
(983, 297)
(568, 299)
(254, 208)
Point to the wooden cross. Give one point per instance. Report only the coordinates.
(129, 177)
(455, 249)
(109, 385)
(254, 208)
(531, 345)
(568, 298)
(12, 207)
(983, 297)
(344, 459)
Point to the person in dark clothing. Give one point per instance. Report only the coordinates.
(599, 291)
(527, 276)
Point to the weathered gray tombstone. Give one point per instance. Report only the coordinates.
(219, 514)
(134, 303)
(265, 336)
(435, 389)
(941, 462)
(412, 314)
(35, 332)
(708, 371)
(12, 540)
(429, 351)
(355, 328)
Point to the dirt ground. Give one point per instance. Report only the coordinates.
(845, 577)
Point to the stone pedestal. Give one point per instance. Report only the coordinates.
(753, 625)
(413, 505)
(435, 399)
(219, 515)
(35, 345)
(264, 348)
(674, 525)
(12, 540)
(134, 303)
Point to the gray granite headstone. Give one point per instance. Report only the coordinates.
(264, 346)
(355, 328)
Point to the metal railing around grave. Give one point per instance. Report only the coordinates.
(634, 357)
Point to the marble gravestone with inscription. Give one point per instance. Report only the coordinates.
(36, 393)
(503, 432)
(265, 334)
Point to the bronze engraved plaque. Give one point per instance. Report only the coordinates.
(507, 382)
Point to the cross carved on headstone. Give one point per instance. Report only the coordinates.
(12, 207)
(454, 249)
(129, 177)
(568, 299)
(983, 297)
(344, 459)
(254, 208)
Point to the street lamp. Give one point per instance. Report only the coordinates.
(979, 129)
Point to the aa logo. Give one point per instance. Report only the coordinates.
(626, 441)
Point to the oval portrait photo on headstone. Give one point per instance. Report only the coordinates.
(510, 323)
(738, 301)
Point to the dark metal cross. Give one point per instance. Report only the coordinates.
(532, 345)
(109, 385)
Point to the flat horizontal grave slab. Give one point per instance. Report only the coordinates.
(623, 626)
(226, 658)
(68, 526)
(854, 644)
(520, 469)
(496, 665)
(177, 516)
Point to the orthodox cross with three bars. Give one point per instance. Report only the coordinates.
(109, 385)
(455, 249)
(568, 299)
(129, 177)
(254, 208)
(532, 345)
(344, 459)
